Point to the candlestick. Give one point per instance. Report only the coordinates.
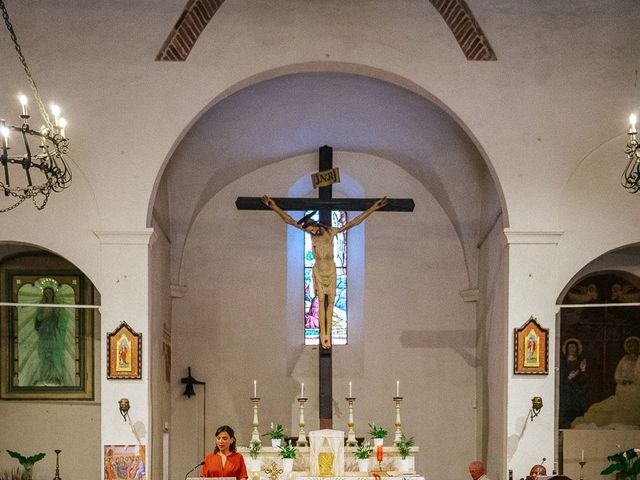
(57, 477)
(398, 423)
(397, 388)
(255, 389)
(351, 434)
(255, 435)
(582, 464)
(302, 437)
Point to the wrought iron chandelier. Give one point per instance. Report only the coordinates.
(631, 174)
(33, 165)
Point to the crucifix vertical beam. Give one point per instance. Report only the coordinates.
(325, 372)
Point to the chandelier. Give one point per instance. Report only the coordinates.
(631, 174)
(32, 162)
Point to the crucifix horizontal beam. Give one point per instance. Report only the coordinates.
(346, 204)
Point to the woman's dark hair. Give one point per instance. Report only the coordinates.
(229, 430)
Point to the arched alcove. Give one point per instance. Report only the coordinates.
(50, 358)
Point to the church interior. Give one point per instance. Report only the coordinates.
(516, 274)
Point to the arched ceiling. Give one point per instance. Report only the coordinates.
(295, 114)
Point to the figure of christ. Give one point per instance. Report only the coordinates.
(324, 268)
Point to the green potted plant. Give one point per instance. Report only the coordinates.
(405, 463)
(276, 433)
(362, 453)
(26, 462)
(288, 453)
(377, 433)
(625, 463)
(256, 463)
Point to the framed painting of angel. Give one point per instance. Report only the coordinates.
(47, 338)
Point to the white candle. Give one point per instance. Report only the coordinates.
(397, 388)
(350, 390)
(23, 102)
(582, 456)
(302, 390)
(255, 389)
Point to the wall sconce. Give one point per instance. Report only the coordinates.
(124, 406)
(190, 382)
(536, 406)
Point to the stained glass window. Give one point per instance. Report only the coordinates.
(311, 325)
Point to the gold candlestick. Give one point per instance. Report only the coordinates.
(351, 435)
(582, 463)
(57, 477)
(302, 437)
(398, 424)
(255, 435)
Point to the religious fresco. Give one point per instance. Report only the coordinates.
(599, 367)
(124, 462)
(339, 325)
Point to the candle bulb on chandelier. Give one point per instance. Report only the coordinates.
(632, 120)
(63, 125)
(23, 101)
(55, 109)
(4, 131)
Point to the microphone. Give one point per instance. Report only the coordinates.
(198, 465)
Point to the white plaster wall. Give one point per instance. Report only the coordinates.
(531, 291)
(39, 426)
(598, 215)
(492, 339)
(160, 329)
(124, 275)
(237, 321)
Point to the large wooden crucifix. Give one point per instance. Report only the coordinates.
(325, 204)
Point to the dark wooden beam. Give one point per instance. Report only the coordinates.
(347, 204)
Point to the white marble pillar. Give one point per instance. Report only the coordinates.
(124, 277)
(532, 291)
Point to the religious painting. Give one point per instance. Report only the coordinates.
(124, 355)
(124, 462)
(47, 341)
(531, 353)
(311, 308)
(599, 350)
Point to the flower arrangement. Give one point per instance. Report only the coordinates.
(276, 431)
(364, 451)
(254, 449)
(626, 463)
(288, 451)
(376, 431)
(404, 446)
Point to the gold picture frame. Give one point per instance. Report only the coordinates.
(124, 353)
(46, 352)
(531, 349)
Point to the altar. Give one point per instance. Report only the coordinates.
(391, 465)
